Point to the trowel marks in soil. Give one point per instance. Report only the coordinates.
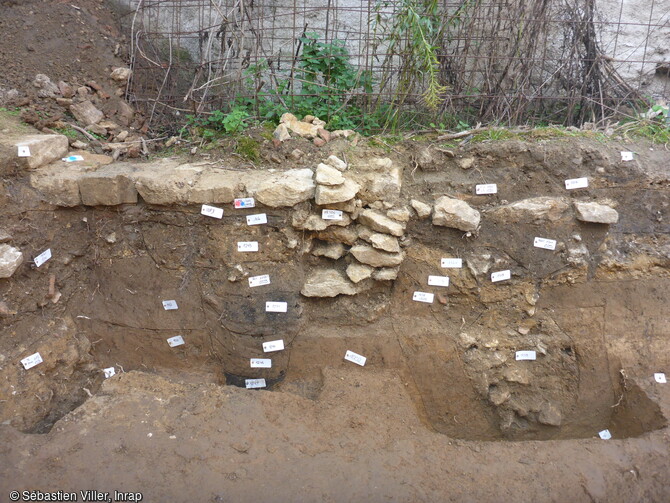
(591, 307)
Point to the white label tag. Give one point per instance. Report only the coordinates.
(626, 156)
(254, 383)
(261, 218)
(175, 341)
(526, 355)
(211, 211)
(276, 307)
(660, 378)
(259, 280)
(355, 358)
(169, 305)
(270, 346)
(452, 263)
(109, 372)
(331, 215)
(501, 275)
(486, 188)
(547, 244)
(576, 183)
(261, 363)
(23, 151)
(605, 434)
(438, 280)
(72, 158)
(42, 257)
(247, 246)
(32, 360)
(245, 202)
(423, 297)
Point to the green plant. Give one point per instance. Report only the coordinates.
(248, 148)
(66, 131)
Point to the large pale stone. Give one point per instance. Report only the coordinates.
(10, 260)
(108, 186)
(303, 129)
(329, 195)
(423, 210)
(383, 183)
(550, 415)
(59, 187)
(44, 149)
(304, 220)
(376, 258)
(281, 133)
(379, 240)
(336, 163)
(86, 113)
(534, 209)
(399, 214)
(344, 235)
(287, 188)
(329, 250)
(450, 212)
(164, 183)
(216, 187)
(381, 222)
(358, 272)
(386, 273)
(328, 283)
(327, 175)
(596, 213)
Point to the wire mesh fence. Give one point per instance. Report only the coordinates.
(377, 64)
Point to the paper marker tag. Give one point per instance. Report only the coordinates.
(23, 151)
(487, 188)
(451, 263)
(576, 183)
(423, 297)
(261, 363)
(270, 346)
(605, 434)
(32, 360)
(42, 257)
(175, 341)
(247, 246)
(547, 244)
(211, 211)
(259, 280)
(331, 215)
(526, 355)
(355, 358)
(438, 280)
(246, 202)
(254, 383)
(501, 275)
(72, 158)
(170, 305)
(261, 218)
(109, 372)
(626, 156)
(276, 307)
(660, 378)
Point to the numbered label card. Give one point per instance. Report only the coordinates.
(438, 280)
(42, 257)
(259, 219)
(175, 341)
(259, 280)
(526, 355)
(254, 383)
(547, 244)
(626, 156)
(355, 358)
(576, 183)
(245, 202)
(451, 263)
(276, 307)
(501, 275)
(270, 346)
(423, 297)
(605, 434)
(486, 188)
(247, 246)
(109, 372)
(170, 305)
(211, 211)
(331, 215)
(660, 378)
(261, 363)
(23, 151)
(30, 361)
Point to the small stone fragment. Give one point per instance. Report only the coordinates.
(10, 259)
(358, 272)
(328, 283)
(121, 74)
(340, 194)
(325, 135)
(596, 213)
(329, 250)
(450, 212)
(399, 214)
(550, 415)
(380, 222)
(386, 274)
(296, 154)
(376, 258)
(319, 142)
(336, 163)
(466, 162)
(281, 133)
(86, 113)
(327, 175)
(423, 210)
